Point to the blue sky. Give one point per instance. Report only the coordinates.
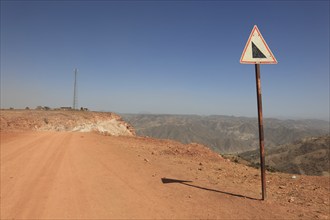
(171, 57)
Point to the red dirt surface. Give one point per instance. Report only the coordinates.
(72, 175)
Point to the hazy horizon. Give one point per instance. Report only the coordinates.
(179, 114)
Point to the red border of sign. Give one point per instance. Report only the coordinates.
(248, 42)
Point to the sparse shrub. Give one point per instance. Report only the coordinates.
(270, 169)
(254, 165)
(46, 120)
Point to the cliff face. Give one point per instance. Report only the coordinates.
(59, 120)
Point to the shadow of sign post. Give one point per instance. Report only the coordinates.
(188, 183)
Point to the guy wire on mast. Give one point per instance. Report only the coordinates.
(75, 98)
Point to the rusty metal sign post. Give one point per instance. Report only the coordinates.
(261, 133)
(257, 52)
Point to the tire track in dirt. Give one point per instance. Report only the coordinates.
(18, 151)
(36, 184)
(17, 166)
(75, 202)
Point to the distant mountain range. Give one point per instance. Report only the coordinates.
(225, 134)
(309, 156)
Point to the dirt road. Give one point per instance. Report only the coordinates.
(69, 175)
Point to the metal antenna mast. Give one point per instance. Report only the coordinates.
(75, 98)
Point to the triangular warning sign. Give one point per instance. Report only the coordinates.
(256, 50)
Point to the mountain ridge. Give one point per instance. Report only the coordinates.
(224, 134)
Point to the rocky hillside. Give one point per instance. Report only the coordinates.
(65, 120)
(225, 134)
(309, 156)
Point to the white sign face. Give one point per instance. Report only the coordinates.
(256, 50)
